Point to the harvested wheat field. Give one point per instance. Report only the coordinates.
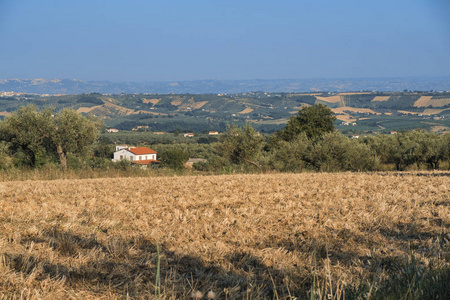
(272, 236)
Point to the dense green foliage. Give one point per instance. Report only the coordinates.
(333, 152)
(37, 138)
(32, 138)
(240, 145)
(314, 121)
(174, 159)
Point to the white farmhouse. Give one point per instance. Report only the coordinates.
(137, 155)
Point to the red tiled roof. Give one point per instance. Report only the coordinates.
(142, 150)
(145, 162)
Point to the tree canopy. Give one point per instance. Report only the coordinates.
(240, 145)
(314, 121)
(40, 134)
(174, 159)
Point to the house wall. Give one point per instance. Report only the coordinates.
(125, 154)
(122, 154)
(144, 157)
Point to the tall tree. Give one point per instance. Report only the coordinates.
(174, 159)
(35, 132)
(240, 145)
(28, 131)
(314, 121)
(73, 133)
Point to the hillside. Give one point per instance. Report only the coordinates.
(362, 111)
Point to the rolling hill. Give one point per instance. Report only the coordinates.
(367, 111)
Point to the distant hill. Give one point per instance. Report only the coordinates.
(267, 111)
(74, 86)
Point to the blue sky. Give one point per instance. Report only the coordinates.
(170, 40)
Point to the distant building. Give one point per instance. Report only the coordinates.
(137, 155)
(189, 135)
(158, 132)
(112, 130)
(213, 133)
(393, 132)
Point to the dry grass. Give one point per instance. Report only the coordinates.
(439, 102)
(239, 236)
(331, 99)
(432, 111)
(381, 98)
(88, 109)
(422, 101)
(427, 101)
(190, 104)
(152, 101)
(247, 110)
(345, 117)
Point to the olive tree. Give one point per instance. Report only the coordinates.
(240, 145)
(290, 156)
(73, 133)
(174, 158)
(35, 132)
(29, 131)
(314, 121)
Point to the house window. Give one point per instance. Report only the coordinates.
(146, 157)
(131, 157)
(121, 157)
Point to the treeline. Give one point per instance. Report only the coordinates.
(309, 142)
(33, 139)
(244, 150)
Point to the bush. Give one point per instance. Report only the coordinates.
(174, 159)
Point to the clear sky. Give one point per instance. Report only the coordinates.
(167, 40)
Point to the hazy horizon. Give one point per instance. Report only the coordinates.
(228, 79)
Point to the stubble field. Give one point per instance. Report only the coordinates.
(274, 236)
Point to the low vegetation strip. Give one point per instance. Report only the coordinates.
(279, 236)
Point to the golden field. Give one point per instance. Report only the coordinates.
(270, 236)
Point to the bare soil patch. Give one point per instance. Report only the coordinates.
(381, 98)
(423, 101)
(247, 110)
(331, 99)
(152, 101)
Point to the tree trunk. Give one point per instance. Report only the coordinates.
(62, 156)
(255, 164)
